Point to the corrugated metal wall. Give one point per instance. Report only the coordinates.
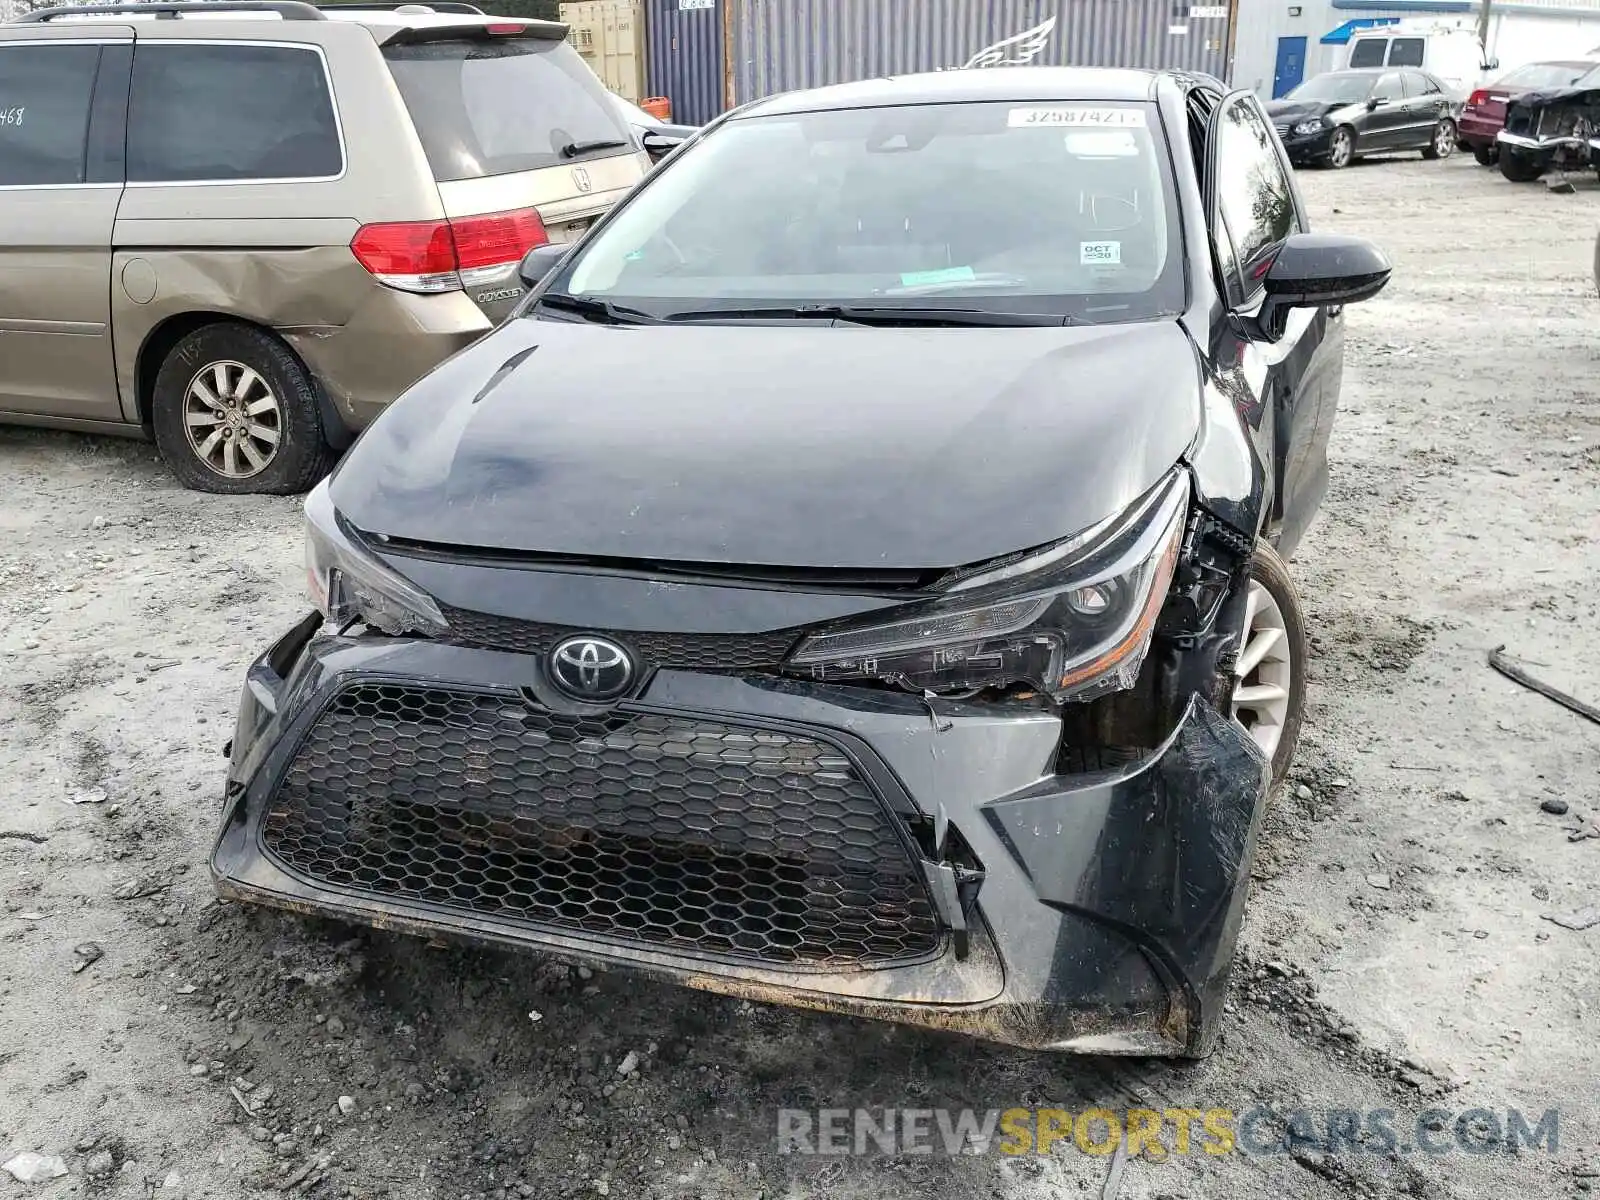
(686, 62)
(779, 45)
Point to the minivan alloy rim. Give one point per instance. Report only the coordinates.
(232, 419)
(1264, 672)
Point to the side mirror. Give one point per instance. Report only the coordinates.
(658, 144)
(1316, 270)
(1376, 102)
(539, 262)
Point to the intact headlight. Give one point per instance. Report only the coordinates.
(1307, 127)
(346, 582)
(1073, 620)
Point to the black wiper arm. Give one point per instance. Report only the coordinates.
(591, 306)
(858, 314)
(573, 149)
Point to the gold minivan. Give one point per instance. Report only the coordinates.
(243, 227)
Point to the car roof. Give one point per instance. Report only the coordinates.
(969, 86)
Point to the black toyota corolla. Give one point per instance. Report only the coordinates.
(853, 579)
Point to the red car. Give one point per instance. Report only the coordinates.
(1485, 111)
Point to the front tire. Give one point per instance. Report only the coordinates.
(1341, 148)
(1269, 691)
(1522, 168)
(1444, 141)
(235, 412)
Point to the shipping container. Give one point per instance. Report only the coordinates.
(610, 36)
(685, 40)
(780, 45)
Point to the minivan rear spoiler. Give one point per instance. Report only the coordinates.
(494, 27)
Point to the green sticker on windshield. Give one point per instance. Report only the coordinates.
(947, 275)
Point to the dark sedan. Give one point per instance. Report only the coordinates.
(855, 578)
(1333, 119)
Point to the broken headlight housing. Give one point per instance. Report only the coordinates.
(1073, 620)
(347, 582)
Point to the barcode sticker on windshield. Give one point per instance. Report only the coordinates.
(1078, 116)
(1100, 254)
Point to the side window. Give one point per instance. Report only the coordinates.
(1368, 52)
(1405, 52)
(230, 113)
(1388, 87)
(1254, 195)
(45, 95)
(1430, 86)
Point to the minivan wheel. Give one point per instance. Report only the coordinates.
(235, 412)
(1269, 690)
(1485, 155)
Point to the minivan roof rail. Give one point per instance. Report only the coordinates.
(438, 6)
(289, 10)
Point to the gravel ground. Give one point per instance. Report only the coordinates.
(1396, 954)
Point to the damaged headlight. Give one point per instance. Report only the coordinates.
(1073, 620)
(1307, 127)
(347, 582)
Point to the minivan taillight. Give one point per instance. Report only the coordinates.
(1481, 96)
(444, 256)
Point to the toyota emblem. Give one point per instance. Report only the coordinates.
(591, 668)
(581, 180)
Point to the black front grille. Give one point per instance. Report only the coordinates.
(714, 653)
(665, 829)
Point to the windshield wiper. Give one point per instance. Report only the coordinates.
(589, 306)
(573, 149)
(857, 314)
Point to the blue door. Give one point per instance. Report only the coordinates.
(1291, 68)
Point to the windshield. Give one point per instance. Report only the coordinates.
(495, 107)
(1009, 208)
(1334, 89)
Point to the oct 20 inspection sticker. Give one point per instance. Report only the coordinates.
(1078, 116)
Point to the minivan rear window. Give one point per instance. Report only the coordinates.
(493, 107)
(1369, 52)
(1406, 52)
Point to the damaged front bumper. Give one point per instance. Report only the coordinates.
(835, 848)
(1583, 148)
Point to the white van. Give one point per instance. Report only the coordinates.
(1447, 50)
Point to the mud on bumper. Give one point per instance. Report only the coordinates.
(782, 841)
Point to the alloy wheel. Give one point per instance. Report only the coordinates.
(233, 420)
(1342, 148)
(1264, 672)
(1444, 139)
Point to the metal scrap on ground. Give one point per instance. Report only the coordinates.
(1516, 674)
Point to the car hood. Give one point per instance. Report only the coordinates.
(1299, 110)
(813, 446)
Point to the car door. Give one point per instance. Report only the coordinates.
(1387, 119)
(63, 107)
(1424, 107)
(1285, 391)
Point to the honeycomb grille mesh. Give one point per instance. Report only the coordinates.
(671, 830)
(714, 653)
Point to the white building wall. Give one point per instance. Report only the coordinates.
(1521, 32)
